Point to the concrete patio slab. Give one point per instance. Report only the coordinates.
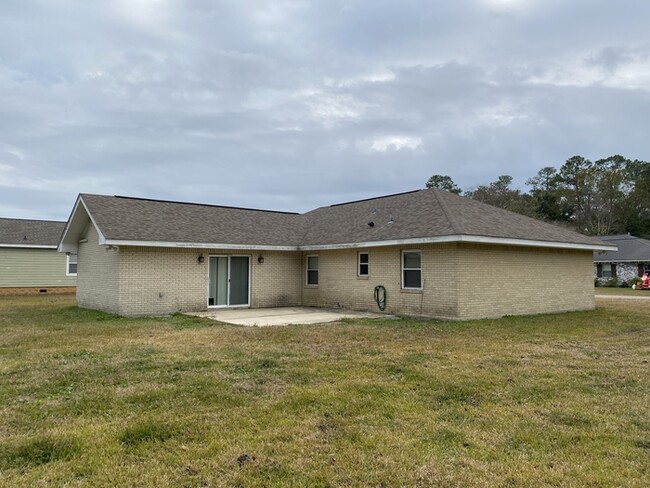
(262, 317)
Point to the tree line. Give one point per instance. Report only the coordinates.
(603, 197)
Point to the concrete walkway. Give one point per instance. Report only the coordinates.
(262, 317)
(642, 296)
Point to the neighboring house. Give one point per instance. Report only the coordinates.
(631, 260)
(29, 261)
(435, 253)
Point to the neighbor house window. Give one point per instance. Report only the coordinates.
(71, 265)
(363, 268)
(411, 269)
(646, 268)
(312, 270)
(607, 271)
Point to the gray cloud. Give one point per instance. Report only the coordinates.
(295, 104)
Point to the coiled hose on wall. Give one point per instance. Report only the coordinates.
(380, 297)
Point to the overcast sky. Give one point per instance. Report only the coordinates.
(290, 105)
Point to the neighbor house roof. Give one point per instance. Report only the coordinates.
(417, 217)
(30, 233)
(630, 249)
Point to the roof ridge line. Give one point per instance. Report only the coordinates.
(445, 209)
(156, 200)
(371, 198)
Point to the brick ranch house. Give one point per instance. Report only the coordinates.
(29, 263)
(435, 253)
(630, 261)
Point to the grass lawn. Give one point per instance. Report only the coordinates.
(89, 399)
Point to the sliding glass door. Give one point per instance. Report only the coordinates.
(228, 281)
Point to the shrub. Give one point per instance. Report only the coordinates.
(612, 282)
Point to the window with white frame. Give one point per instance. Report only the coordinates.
(312, 270)
(71, 265)
(412, 269)
(646, 268)
(363, 267)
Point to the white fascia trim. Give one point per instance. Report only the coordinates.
(356, 245)
(29, 246)
(102, 239)
(464, 238)
(197, 245)
(61, 247)
(73, 248)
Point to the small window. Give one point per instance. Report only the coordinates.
(312, 270)
(363, 267)
(411, 269)
(646, 268)
(607, 270)
(71, 265)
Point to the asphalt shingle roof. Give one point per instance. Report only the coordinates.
(135, 219)
(22, 232)
(630, 248)
(416, 214)
(427, 213)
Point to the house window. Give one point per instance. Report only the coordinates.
(363, 268)
(71, 265)
(411, 269)
(607, 270)
(646, 268)
(312, 270)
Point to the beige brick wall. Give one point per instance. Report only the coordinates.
(163, 281)
(276, 281)
(97, 275)
(501, 280)
(339, 285)
(458, 281)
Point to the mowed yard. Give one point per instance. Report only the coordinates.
(90, 399)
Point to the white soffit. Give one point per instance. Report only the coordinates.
(357, 245)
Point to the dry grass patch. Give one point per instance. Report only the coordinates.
(90, 399)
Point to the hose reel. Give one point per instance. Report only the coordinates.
(380, 297)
